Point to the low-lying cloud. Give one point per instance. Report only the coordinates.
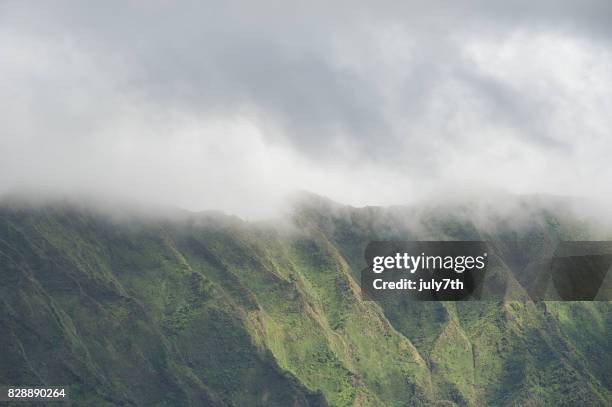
(231, 105)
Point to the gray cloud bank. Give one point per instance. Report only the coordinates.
(231, 105)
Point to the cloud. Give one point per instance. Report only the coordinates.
(231, 105)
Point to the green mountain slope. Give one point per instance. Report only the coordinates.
(206, 309)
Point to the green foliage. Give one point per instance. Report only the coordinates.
(210, 310)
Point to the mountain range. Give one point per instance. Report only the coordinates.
(130, 307)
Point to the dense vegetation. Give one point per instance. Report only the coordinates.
(206, 309)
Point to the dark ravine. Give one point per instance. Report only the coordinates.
(206, 309)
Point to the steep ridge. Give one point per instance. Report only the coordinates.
(512, 352)
(206, 309)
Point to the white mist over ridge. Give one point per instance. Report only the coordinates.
(489, 213)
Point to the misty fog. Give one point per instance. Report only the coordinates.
(232, 106)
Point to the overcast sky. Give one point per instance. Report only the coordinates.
(230, 105)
